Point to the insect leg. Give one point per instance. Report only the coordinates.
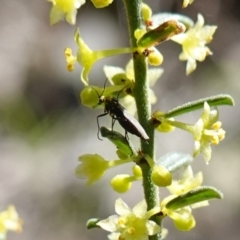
(113, 122)
(101, 115)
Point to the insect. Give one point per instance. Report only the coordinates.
(119, 113)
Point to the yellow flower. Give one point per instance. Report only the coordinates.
(113, 73)
(187, 183)
(206, 131)
(9, 221)
(182, 217)
(186, 2)
(193, 43)
(65, 9)
(93, 167)
(131, 224)
(87, 58)
(101, 3)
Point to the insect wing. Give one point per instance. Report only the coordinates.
(134, 126)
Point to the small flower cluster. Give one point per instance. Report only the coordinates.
(206, 131)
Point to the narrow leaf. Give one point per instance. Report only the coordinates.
(119, 141)
(160, 34)
(195, 196)
(218, 100)
(175, 160)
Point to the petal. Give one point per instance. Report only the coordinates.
(199, 53)
(200, 22)
(121, 208)
(130, 70)
(56, 15)
(206, 33)
(152, 96)
(206, 114)
(110, 71)
(214, 115)
(110, 224)
(153, 75)
(114, 236)
(180, 38)
(140, 209)
(191, 65)
(152, 228)
(197, 147)
(198, 129)
(183, 56)
(206, 151)
(71, 17)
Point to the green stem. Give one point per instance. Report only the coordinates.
(133, 11)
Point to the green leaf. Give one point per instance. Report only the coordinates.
(195, 196)
(218, 100)
(175, 160)
(92, 223)
(160, 34)
(119, 141)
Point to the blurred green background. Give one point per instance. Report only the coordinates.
(44, 128)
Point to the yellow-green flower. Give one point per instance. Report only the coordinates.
(182, 217)
(87, 58)
(115, 73)
(206, 131)
(93, 167)
(131, 224)
(9, 221)
(193, 43)
(101, 3)
(187, 183)
(65, 9)
(187, 2)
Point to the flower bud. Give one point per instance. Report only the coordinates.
(185, 224)
(139, 33)
(137, 171)
(146, 12)
(165, 127)
(101, 3)
(89, 96)
(121, 183)
(161, 176)
(155, 58)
